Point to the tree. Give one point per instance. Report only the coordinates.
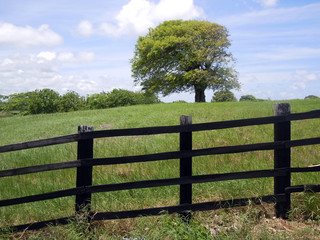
(17, 103)
(43, 101)
(247, 98)
(97, 100)
(122, 97)
(224, 96)
(311, 97)
(181, 56)
(71, 101)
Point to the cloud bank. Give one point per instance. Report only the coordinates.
(136, 17)
(24, 37)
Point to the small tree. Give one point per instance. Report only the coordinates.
(71, 101)
(44, 101)
(17, 102)
(224, 96)
(247, 98)
(120, 97)
(179, 56)
(97, 101)
(311, 97)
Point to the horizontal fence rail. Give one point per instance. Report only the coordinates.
(159, 130)
(160, 156)
(84, 188)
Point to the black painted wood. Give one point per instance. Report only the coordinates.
(282, 158)
(84, 173)
(162, 156)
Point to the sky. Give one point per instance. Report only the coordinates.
(86, 46)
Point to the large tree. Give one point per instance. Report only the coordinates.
(181, 56)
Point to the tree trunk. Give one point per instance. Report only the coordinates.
(200, 97)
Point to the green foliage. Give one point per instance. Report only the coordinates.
(2, 98)
(118, 98)
(247, 98)
(306, 206)
(121, 97)
(71, 101)
(49, 101)
(97, 101)
(43, 101)
(224, 96)
(177, 228)
(17, 102)
(181, 56)
(311, 97)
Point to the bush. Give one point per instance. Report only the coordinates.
(49, 101)
(43, 101)
(71, 101)
(248, 98)
(311, 97)
(224, 96)
(120, 97)
(97, 101)
(17, 102)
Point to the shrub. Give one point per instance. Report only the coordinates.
(311, 97)
(247, 98)
(224, 96)
(43, 101)
(17, 102)
(97, 101)
(71, 101)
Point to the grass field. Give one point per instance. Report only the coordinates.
(17, 129)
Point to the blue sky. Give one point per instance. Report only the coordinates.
(86, 46)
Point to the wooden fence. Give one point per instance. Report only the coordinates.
(84, 189)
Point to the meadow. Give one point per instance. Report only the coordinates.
(17, 129)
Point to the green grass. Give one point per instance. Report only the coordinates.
(17, 129)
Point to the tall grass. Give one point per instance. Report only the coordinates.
(25, 128)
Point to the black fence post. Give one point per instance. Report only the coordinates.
(186, 166)
(282, 158)
(84, 174)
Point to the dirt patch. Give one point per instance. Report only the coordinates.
(105, 126)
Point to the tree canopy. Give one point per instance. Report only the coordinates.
(247, 98)
(181, 56)
(223, 96)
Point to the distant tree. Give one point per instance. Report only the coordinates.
(44, 101)
(179, 56)
(97, 101)
(145, 98)
(120, 97)
(71, 101)
(311, 97)
(17, 102)
(247, 98)
(2, 98)
(224, 96)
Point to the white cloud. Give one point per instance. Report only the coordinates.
(303, 75)
(85, 28)
(86, 56)
(80, 57)
(26, 72)
(281, 85)
(138, 16)
(47, 55)
(66, 57)
(11, 35)
(267, 3)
